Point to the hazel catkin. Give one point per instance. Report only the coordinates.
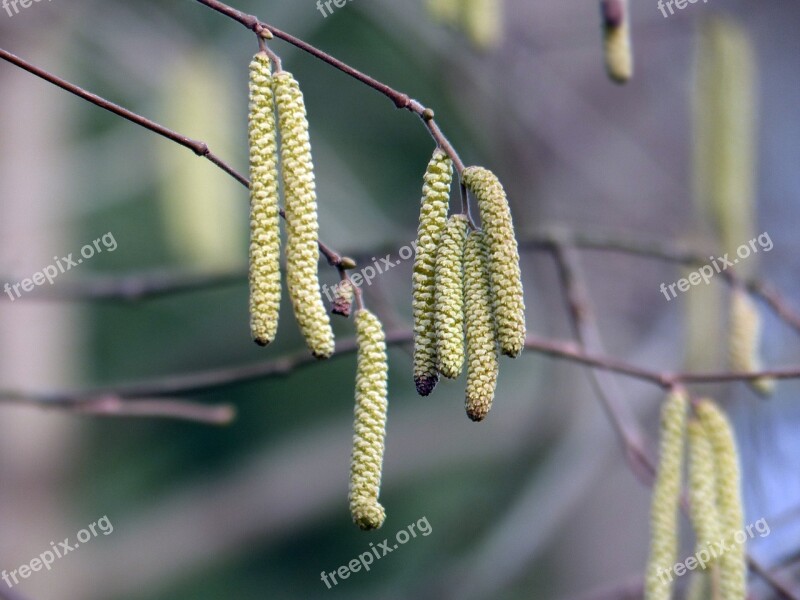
(702, 487)
(482, 355)
(449, 297)
(432, 220)
(617, 39)
(733, 565)
(504, 270)
(666, 496)
(264, 263)
(300, 198)
(343, 299)
(745, 336)
(370, 422)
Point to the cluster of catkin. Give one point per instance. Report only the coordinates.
(271, 95)
(714, 494)
(615, 16)
(467, 288)
(481, 20)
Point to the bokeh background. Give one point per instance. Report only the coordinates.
(537, 501)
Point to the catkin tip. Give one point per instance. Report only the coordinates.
(426, 384)
(477, 410)
(369, 515)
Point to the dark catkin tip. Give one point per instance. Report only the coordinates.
(477, 413)
(342, 307)
(613, 13)
(425, 385)
(262, 343)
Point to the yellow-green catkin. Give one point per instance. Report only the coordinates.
(449, 297)
(265, 273)
(617, 39)
(483, 21)
(703, 488)
(370, 422)
(300, 199)
(446, 11)
(482, 355)
(745, 336)
(666, 498)
(432, 220)
(733, 566)
(504, 271)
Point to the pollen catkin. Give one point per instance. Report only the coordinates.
(733, 566)
(265, 273)
(343, 299)
(702, 488)
(370, 422)
(666, 497)
(482, 364)
(483, 21)
(302, 252)
(745, 336)
(432, 220)
(617, 39)
(449, 297)
(504, 271)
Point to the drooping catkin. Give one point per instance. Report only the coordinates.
(432, 220)
(733, 566)
(370, 422)
(745, 336)
(449, 297)
(302, 251)
(264, 271)
(702, 487)
(504, 271)
(483, 21)
(617, 39)
(482, 355)
(666, 498)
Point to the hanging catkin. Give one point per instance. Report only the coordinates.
(483, 21)
(504, 271)
(482, 364)
(302, 251)
(449, 297)
(617, 39)
(432, 220)
(702, 488)
(745, 336)
(265, 273)
(666, 498)
(343, 299)
(733, 566)
(370, 422)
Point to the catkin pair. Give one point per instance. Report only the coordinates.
(268, 93)
(617, 39)
(432, 220)
(370, 422)
(503, 258)
(745, 336)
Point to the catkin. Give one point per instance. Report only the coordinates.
(482, 363)
(483, 21)
(666, 498)
(449, 297)
(370, 422)
(745, 335)
(264, 271)
(733, 566)
(617, 39)
(432, 220)
(702, 487)
(504, 271)
(302, 251)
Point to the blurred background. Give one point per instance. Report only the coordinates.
(536, 502)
